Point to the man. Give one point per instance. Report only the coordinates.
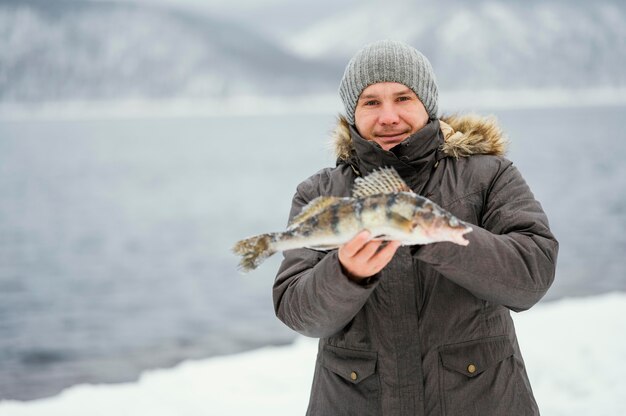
(420, 330)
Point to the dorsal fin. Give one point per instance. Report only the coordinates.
(382, 181)
(312, 208)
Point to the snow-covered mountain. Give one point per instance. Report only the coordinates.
(56, 50)
(487, 43)
(71, 49)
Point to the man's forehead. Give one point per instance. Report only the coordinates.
(380, 88)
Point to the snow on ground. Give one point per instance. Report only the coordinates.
(575, 353)
(574, 349)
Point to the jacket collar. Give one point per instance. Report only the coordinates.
(462, 136)
(413, 159)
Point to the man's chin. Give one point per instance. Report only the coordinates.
(387, 142)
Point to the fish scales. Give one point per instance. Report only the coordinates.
(338, 222)
(382, 204)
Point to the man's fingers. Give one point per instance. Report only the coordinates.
(368, 250)
(362, 257)
(386, 252)
(352, 247)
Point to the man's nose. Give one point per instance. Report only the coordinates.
(388, 115)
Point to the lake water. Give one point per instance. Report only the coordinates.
(115, 234)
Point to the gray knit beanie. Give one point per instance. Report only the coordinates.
(388, 61)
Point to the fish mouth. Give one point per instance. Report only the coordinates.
(459, 236)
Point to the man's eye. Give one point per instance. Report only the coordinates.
(404, 98)
(370, 102)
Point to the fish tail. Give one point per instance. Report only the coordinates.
(254, 250)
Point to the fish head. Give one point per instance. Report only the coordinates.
(434, 224)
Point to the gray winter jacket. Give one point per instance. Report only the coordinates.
(431, 334)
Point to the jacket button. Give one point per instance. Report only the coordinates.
(354, 376)
(471, 368)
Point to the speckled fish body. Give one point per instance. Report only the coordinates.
(405, 217)
(381, 204)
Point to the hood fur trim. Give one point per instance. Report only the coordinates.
(464, 135)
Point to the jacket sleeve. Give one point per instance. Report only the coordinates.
(511, 258)
(311, 293)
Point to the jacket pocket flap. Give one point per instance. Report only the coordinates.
(353, 366)
(473, 357)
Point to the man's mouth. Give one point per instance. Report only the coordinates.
(390, 136)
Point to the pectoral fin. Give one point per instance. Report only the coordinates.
(401, 222)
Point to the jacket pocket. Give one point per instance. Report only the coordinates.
(345, 383)
(484, 377)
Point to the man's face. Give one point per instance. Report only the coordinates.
(389, 112)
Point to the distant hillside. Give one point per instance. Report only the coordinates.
(487, 44)
(58, 50)
(90, 50)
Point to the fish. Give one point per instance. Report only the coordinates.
(380, 202)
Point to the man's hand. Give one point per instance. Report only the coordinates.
(362, 257)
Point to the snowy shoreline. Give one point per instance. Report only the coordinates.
(328, 103)
(574, 350)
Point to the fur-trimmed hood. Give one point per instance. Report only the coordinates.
(464, 135)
